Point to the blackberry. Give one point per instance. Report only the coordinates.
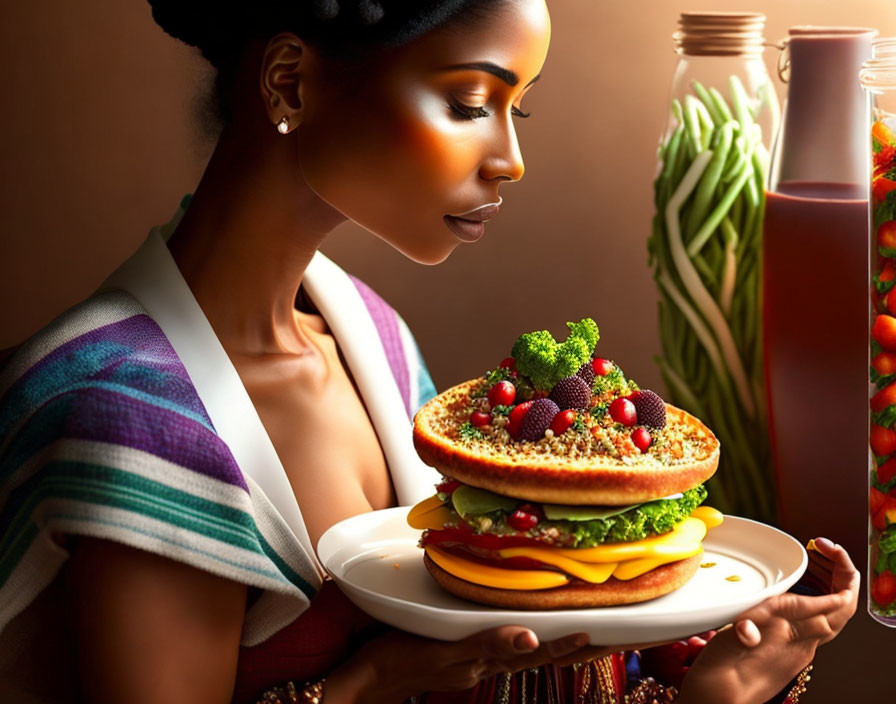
(571, 392)
(538, 419)
(586, 371)
(650, 408)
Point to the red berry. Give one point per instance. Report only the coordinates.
(641, 438)
(522, 520)
(508, 363)
(515, 419)
(562, 421)
(478, 419)
(448, 486)
(601, 366)
(883, 588)
(623, 411)
(502, 394)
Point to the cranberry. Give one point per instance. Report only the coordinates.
(641, 438)
(502, 394)
(562, 421)
(601, 366)
(508, 363)
(522, 520)
(623, 411)
(515, 419)
(478, 419)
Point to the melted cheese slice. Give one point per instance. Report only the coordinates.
(429, 514)
(498, 577)
(594, 565)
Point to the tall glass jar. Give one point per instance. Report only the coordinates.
(705, 245)
(878, 77)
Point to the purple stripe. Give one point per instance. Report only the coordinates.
(387, 326)
(147, 345)
(106, 416)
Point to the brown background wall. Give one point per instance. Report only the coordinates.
(100, 141)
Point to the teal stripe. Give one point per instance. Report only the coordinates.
(108, 486)
(426, 390)
(32, 531)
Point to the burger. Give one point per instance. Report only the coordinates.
(564, 484)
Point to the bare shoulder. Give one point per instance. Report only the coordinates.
(155, 628)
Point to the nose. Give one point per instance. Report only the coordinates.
(503, 159)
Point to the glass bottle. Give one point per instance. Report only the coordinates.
(705, 245)
(815, 277)
(878, 77)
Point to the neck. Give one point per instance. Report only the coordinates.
(244, 243)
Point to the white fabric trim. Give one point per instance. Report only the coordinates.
(152, 277)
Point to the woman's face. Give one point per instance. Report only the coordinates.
(416, 148)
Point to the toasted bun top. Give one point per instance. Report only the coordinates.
(598, 465)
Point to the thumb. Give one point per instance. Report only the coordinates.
(748, 633)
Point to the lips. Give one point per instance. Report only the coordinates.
(470, 226)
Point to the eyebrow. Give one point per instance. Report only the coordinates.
(505, 74)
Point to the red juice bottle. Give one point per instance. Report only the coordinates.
(815, 291)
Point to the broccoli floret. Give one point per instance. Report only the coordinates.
(535, 354)
(545, 361)
(587, 330)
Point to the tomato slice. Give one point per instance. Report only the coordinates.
(485, 541)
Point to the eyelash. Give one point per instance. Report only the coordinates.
(466, 112)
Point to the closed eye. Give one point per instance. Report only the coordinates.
(467, 112)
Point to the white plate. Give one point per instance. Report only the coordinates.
(375, 560)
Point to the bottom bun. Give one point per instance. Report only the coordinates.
(576, 595)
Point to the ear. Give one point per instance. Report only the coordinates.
(281, 81)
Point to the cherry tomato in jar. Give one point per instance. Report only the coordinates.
(883, 588)
(884, 363)
(884, 398)
(886, 471)
(884, 332)
(883, 440)
(875, 500)
(880, 186)
(886, 237)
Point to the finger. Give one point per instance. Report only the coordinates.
(845, 575)
(794, 607)
(502, 643)
(817, 628)
(748, 633)
(565, 645)
(552, 651)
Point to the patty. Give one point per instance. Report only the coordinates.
(575, 595)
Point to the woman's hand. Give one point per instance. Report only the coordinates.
(769, 644)
(398, 665)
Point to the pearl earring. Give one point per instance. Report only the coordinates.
(283, 125)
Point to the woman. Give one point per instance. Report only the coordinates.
(175, 446)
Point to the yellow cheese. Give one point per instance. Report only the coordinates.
(594, 565)
(429, 513)
(890, 513)
(710, 516)
(596, 574)
(680, 539)
(495, 576)
(635, 568)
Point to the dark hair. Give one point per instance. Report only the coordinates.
(344, 30)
